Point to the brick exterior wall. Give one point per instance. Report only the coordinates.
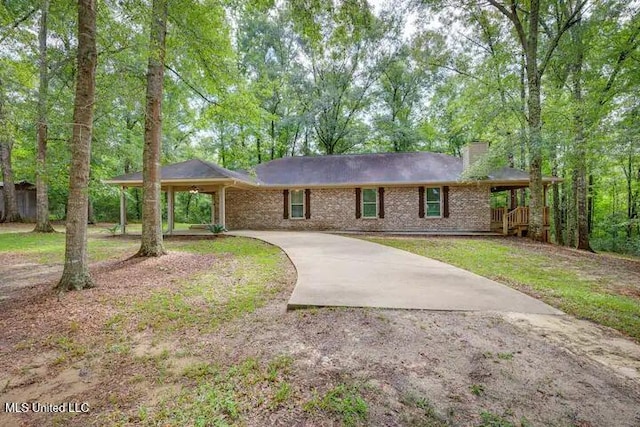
(334, 209)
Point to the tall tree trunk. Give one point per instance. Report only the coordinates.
(572, 214)
(523, 129)
(527, 33)
(536, 202)
(76, 266)
(91, 219)
(152, 244)
(273, 140)
(259, 149)
(557, 212)
(628, 173)
(582, 226)
(11, 213)
(42, 206)
(590, 196)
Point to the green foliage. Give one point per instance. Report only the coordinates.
(477, 389)
(426, 416)
(505, 356)
(220, 396)
(490, 419)
(342, 401)
(248, 82)
(113, 230)
(216, 228)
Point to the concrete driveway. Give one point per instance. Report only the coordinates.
(344, 271)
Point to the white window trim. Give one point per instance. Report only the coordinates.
(426, 203)
(377, 215)
(304, 211)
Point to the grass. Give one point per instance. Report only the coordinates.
(546, 277)
(490, 419)
(49, 248)
(242, 277)
(207, 299)
(342, 401)
(220, 397)
(421, 412)
(477, 389)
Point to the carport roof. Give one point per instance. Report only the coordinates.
(190, 170)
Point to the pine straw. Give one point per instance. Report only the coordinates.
(84, 314)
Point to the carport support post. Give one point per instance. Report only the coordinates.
(170, 210)
(221, 213)
(213, 208)
(505, 221)
(123, 210)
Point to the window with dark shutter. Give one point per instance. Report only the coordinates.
(285, 197)
(421, 202)
(381, 202)
(445, 202)
(307, 203)
(358, 205)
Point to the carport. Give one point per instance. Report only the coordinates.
(194, 176)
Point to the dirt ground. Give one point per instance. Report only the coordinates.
(532, 370)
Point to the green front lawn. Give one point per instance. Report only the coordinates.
(537, 270)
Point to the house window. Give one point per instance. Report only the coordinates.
(297, 204)
(434, 202)
(369, 203)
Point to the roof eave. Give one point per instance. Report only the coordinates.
(139, 182)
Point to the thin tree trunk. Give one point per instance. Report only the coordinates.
(259, 149)
(136, 195)
(513, 194)
(91, 219)
(11, 213)
(628, 173)
(572, 218)
(582, 226)
(590, 201)
(523, 129)
(76, 266)
(273, 140)
(42, 206)
(152, 244)
(557, 215)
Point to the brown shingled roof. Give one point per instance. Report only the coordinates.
(195, 169)
(336, 170)
(361, 169)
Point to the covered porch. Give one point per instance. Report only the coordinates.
(513, 218)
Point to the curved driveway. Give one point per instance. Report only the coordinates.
(343, 271)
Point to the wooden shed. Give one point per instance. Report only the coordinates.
(26, 195)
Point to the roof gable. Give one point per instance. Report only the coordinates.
(195, 169)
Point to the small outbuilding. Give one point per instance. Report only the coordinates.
(26, 195)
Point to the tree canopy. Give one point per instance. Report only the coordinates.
(552, 85)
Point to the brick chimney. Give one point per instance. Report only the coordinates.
(473, 152)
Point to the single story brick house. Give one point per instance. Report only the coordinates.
(419, 191)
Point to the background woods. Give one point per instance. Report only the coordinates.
(553, 85)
